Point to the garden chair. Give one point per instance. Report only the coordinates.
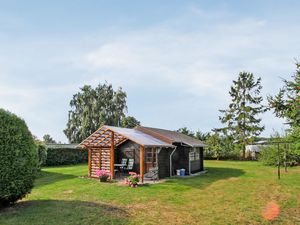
(152, 174)
(124, 162)
(130, 165)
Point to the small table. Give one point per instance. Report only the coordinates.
(119, 165)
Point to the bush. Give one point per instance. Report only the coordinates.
(42, 153)
(64, 155)
(18, 158)
(269, 155)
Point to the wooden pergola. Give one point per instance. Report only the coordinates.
(102, 143)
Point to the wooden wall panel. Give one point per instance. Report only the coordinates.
(100, 159)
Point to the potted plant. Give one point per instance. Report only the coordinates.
(133, 179)
(102, 174)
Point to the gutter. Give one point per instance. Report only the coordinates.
(171, 160)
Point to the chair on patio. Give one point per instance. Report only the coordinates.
(152, 174)
(124, 162)
(130, 165)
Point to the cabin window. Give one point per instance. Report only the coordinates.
(194, 154)
(150, 155)
(129, 153)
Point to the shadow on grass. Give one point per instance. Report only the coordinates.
(60, 212)
(214, 174)
(45, 178)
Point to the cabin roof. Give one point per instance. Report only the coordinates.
(145, 136)
(103, 138)
(171, 136)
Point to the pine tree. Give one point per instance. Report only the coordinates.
(241, 117)
(286, 104)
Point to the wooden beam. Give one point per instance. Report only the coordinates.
(152, 149)
(142, 163)
(121, 141)
(112, 154)
(100, 157)
(90, 162)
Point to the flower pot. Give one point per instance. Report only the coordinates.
(103, 179)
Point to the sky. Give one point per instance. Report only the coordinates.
(175, 59)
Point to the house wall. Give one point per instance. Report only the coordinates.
(180, 159)
(99, 159)
(129, 149)
(164, 162)
(201, 159)
(95, 161)
(197, 165)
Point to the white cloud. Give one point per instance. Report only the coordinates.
(165, 69)
(197, 61)
(202, 62)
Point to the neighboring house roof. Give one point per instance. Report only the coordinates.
(253, 148)
(102, 138)
(62, 146)
(171, 136)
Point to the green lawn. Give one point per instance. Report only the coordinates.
(230, 193)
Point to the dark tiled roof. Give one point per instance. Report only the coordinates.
(61, 146)
(172, 136)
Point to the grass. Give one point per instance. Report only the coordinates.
(230, 193)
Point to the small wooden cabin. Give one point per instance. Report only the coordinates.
(149, 147)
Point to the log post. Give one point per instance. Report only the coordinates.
(278, 169)
(112, 155)
(90, 162)
(100, 158)
(142, 163)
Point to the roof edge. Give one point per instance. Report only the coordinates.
(154, 134)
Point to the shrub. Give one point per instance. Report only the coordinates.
(42, 153)
(64, 155)
(18, 158)
(269, 155)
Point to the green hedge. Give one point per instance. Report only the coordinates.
(65, 156)
(18, 158)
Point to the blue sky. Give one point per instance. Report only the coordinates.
(175, 59)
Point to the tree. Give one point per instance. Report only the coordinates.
(214, 143)
(201, 136)
(18, 158)
(130, 122)
(47, 139)
(286, 104)
(241, 116)
(186, 131)
(92, 108)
